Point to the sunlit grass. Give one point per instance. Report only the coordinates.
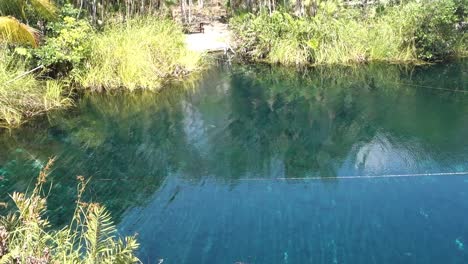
(25, 97)
(410, 32)
(140, 54)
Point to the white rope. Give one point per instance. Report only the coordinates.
(463, 173)
(24, 74)
(433, 87)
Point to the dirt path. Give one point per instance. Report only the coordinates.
(215, 38)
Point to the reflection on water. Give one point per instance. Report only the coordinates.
(173, 166)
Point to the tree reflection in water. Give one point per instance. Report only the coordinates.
(245, 122)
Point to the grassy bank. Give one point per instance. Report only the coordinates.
(337, 34)
(141, 53)
(26, 96)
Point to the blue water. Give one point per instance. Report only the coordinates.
(258, 164)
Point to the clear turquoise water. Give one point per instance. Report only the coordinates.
(247, 164)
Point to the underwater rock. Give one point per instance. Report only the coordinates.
(459, 244)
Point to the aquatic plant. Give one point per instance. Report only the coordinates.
(27, 237)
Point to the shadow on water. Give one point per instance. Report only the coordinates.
(148, 150)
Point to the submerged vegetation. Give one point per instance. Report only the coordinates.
(338, 33)
(26, 235)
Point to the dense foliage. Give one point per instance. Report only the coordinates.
(340, 34)
(15, 16)
(140, 53)
(67, 45)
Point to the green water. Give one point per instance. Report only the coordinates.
(249, 164)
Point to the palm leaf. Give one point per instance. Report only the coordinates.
(123, 251)
(12, 8)
(13, 31)
(45, 8)
(99, 233)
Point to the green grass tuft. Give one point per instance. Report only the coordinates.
(26, 96)
(140, 54)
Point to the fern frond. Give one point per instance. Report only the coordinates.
(100, 231)
(13, 31)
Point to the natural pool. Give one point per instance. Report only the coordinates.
(257, 164)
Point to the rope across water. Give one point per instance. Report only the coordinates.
(383, 176)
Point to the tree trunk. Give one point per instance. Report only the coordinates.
(94, 12)
(190, 11)
(182, 11)
(299, 8)
(313, 8)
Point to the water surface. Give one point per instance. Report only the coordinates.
(258, 164)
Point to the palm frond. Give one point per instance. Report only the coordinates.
(99, 234)
(13, 8)
(10, 222)
(13, 31)
(123, 251)
(7, 259)
(45, 8)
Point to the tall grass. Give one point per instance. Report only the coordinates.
(26, 96)
(352, 38)
(408, 32)
(140, 54)
(27, 237)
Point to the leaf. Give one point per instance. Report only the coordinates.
(12, 8)
(99, 234)
(13, 31)
(45, 8)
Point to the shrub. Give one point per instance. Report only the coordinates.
(66, 47)
(435, 35)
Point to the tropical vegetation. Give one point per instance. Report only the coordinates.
(51, 51)
(69, 51)
(26, 235)
(339, 32)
